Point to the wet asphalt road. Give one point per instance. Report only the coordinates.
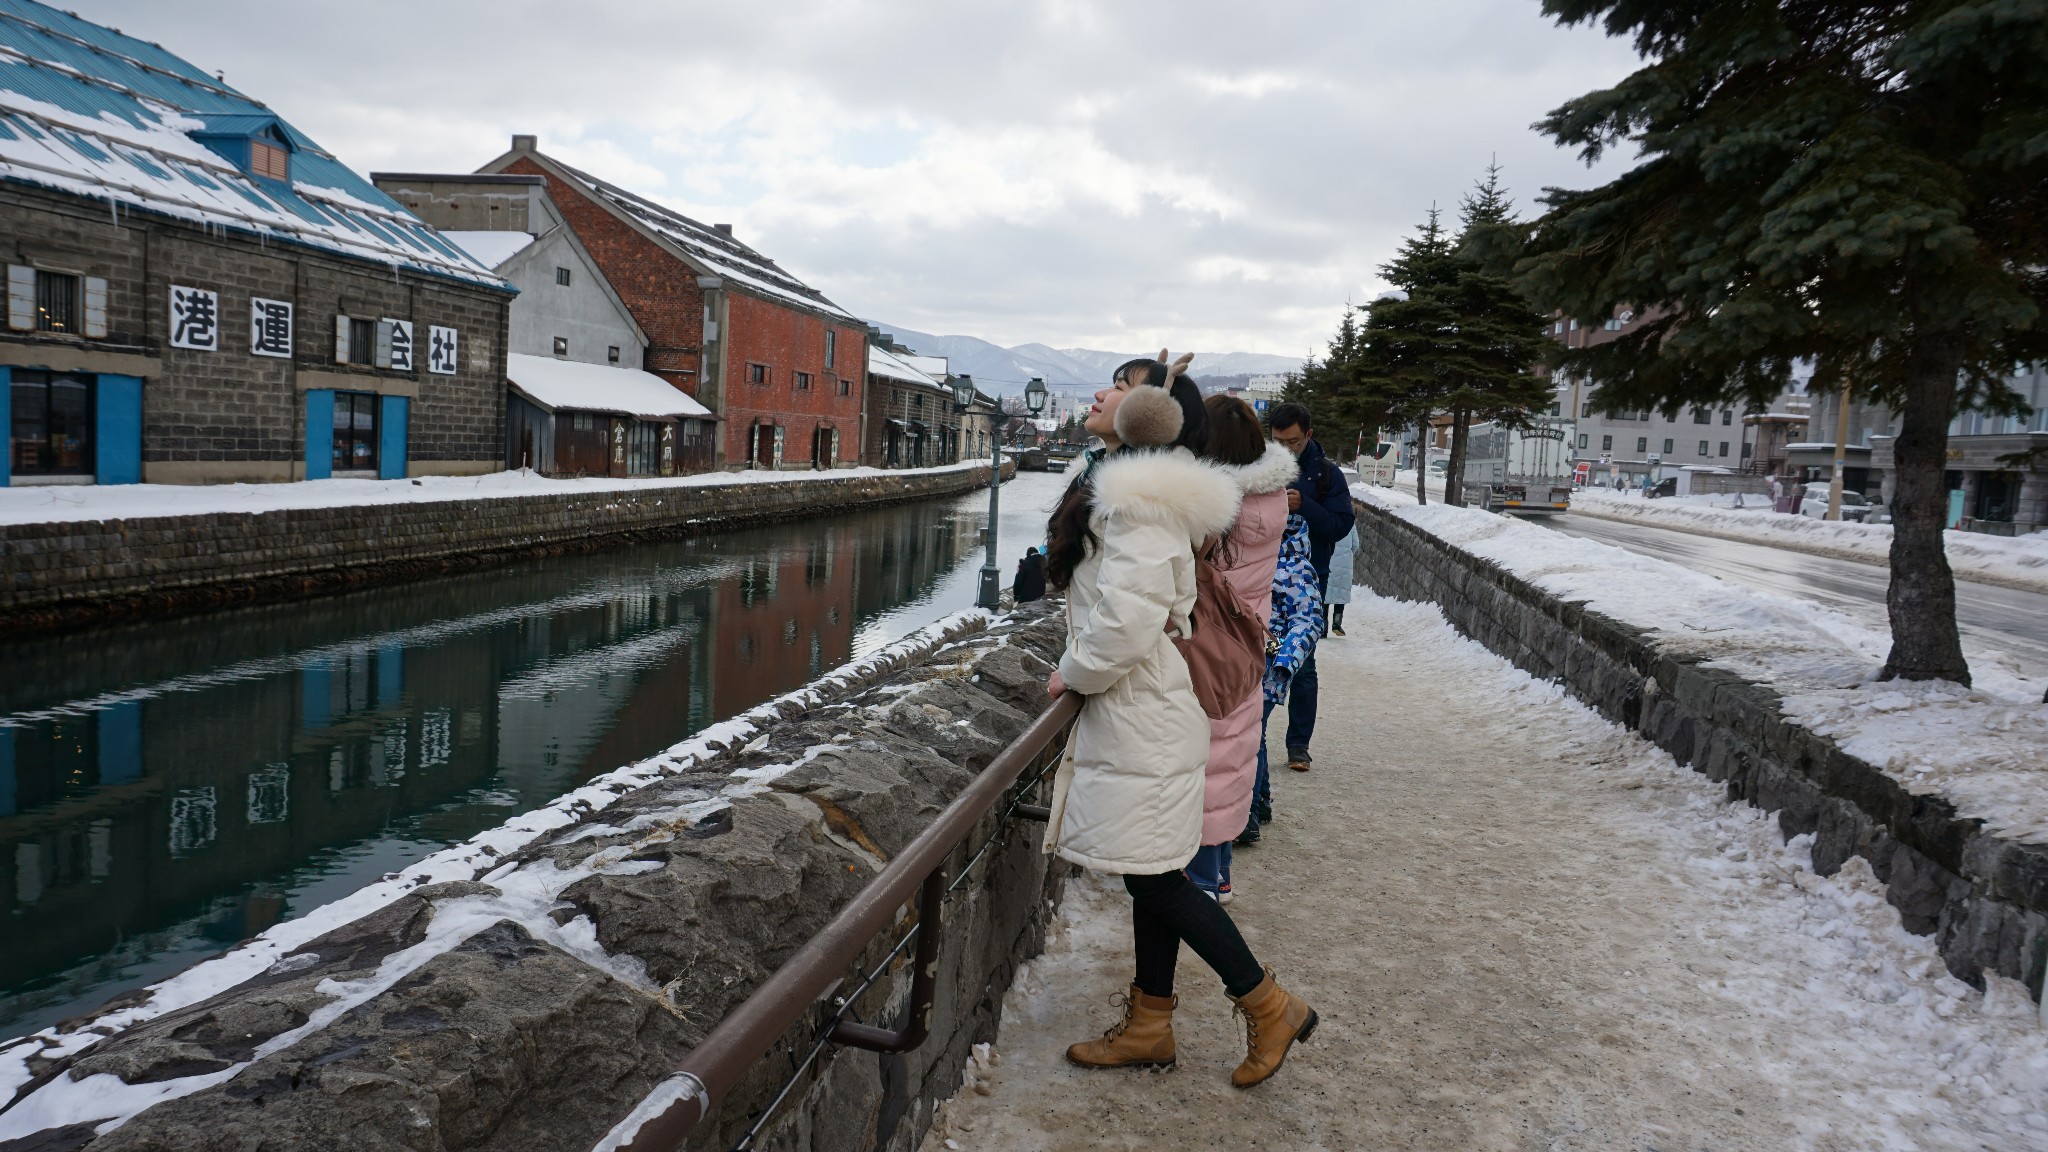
(1995, 619)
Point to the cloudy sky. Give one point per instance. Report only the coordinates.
(1109, 174)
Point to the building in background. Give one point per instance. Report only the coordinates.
(1632, 445)
(198, 293)
(1997, 465)
(781, 366)
(580, 402)
(911, 419)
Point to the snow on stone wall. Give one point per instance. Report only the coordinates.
(526, 989)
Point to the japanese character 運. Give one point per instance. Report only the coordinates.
(270, 327)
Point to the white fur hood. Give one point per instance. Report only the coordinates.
(1271, 472)
(1167, 487)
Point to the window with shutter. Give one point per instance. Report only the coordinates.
(383, 344)
(95, 307)
(21, 298)
(342, 342)
(269, 160)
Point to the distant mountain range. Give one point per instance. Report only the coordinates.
(1004, 371)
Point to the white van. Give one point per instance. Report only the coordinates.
(1815, 505)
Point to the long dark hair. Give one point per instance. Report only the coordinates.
(1067, 536)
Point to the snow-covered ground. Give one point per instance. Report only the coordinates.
(1523, 928)
(2016, 562)
(1985, 748)
(67, 502)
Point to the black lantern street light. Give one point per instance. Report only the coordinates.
(991, 580)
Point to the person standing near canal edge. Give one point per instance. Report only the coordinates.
(1127, 798)
(1323, 499)
(1030, 582)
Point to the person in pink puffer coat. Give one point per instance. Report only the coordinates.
(1249, 552)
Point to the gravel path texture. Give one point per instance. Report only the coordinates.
(1524, 928)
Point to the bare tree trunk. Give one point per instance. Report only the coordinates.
(1454, 474)
(1922, 599)
(1422, 461)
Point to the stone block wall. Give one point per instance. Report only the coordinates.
(1983, 898)
(60, 574)
(232, 415)
(533, 1004)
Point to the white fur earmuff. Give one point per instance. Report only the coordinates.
(1148, 417)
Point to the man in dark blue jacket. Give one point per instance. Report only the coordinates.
(1322, 496)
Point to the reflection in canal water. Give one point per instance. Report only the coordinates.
(169, 789)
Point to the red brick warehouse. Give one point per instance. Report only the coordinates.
(783, 367)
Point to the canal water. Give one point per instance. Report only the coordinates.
(169, 789)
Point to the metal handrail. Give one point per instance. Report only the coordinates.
(749, 1031)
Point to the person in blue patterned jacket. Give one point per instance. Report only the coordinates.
(1291, 634)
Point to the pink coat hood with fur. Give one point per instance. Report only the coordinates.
(1249, 562)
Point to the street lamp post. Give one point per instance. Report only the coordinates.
(990, 595)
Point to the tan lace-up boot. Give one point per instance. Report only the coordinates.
(1142, 1039)
(1273, 1020)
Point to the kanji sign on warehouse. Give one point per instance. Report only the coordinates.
(440, 350)
(195, 318)
(270, 327)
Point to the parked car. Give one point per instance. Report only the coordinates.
(1815, 506)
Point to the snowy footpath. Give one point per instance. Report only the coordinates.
(1524, 928)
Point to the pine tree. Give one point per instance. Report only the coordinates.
(1499, 340)
(1405, 364)
(1861, 183)
(1329, 387)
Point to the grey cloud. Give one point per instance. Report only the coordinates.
(1323, 130)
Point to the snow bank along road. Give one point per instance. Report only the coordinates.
(1994, 620)
(1524, 928)
(2015, 562)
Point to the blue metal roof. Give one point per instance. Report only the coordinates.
(88, 109)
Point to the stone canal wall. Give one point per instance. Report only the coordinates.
(524, 990)
(70, 573)
(1984, 898)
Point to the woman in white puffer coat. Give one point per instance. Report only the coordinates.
(1127, 798)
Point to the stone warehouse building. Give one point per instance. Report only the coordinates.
(778, 364)
(198, 293)
(911, 418)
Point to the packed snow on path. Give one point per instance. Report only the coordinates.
(1984, 748)
(1524, 928)
(2015, 562)
(38, 504)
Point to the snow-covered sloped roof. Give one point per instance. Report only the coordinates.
(717, 251)
(569, 384)
(937, 367)
(491, 249)
(87, 110)
(890, 366)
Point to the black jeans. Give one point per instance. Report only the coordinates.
(1167, 909)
